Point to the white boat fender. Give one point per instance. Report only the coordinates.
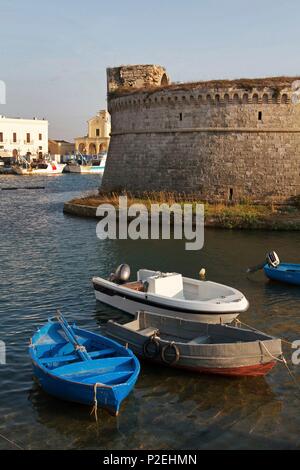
(202, 274)
(169, 347)
(152, 347)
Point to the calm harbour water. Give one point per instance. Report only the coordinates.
(47, 262)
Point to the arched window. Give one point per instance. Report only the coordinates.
(226, 98)
(284, 98)
(245, 98)
(164, 80)
(255, 98)
(265, 98)
(236, 98)
(208, 99)
(81, 147)
(217, 98)
(92, 149)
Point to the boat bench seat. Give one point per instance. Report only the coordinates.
(73, 357)
(148, 331)
(200, 340)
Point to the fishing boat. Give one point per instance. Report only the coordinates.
(204, 348)
(96, 166)
(170, 294)
(5, 166)
(72, 166)
(288, 273)
(41, 167)
(79, 366)
(84, 166)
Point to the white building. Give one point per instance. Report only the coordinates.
(25, 137)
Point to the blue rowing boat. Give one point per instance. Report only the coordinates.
(277, 271)
(79, 366)
(284, 272)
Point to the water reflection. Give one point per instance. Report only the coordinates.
(167, 409)
(48, 260)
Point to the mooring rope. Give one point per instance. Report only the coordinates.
(254, 329)
(95, 407)
(11, 442)
(284, 361)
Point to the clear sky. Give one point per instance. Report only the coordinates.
(53, 54)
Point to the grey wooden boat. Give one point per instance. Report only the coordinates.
(200, 347)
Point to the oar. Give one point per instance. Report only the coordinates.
(79, 348)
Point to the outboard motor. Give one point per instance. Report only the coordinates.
(121, 274)
(273, 259)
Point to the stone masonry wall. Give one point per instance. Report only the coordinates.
(227, 144)
(135, 76)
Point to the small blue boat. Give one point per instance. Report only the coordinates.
(277, 271)
(79, 366)
(284, 272)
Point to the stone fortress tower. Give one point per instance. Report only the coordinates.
(226, 140)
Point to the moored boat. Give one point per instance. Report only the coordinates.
(170, 294)
(84, 166)
(96, 166)
(288, 273)
(72, 167)
(204, 348)
(38, 168)
(76, 365)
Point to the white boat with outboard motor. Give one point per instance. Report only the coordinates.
(170, 294)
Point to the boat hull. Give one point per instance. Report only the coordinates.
(133, 306)
(256, 370)
(186, 345)
(286, 273)
(93, 170)
(72, 169)
(131, 301)
(56, 169)
(79, 393)
(67, 384)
